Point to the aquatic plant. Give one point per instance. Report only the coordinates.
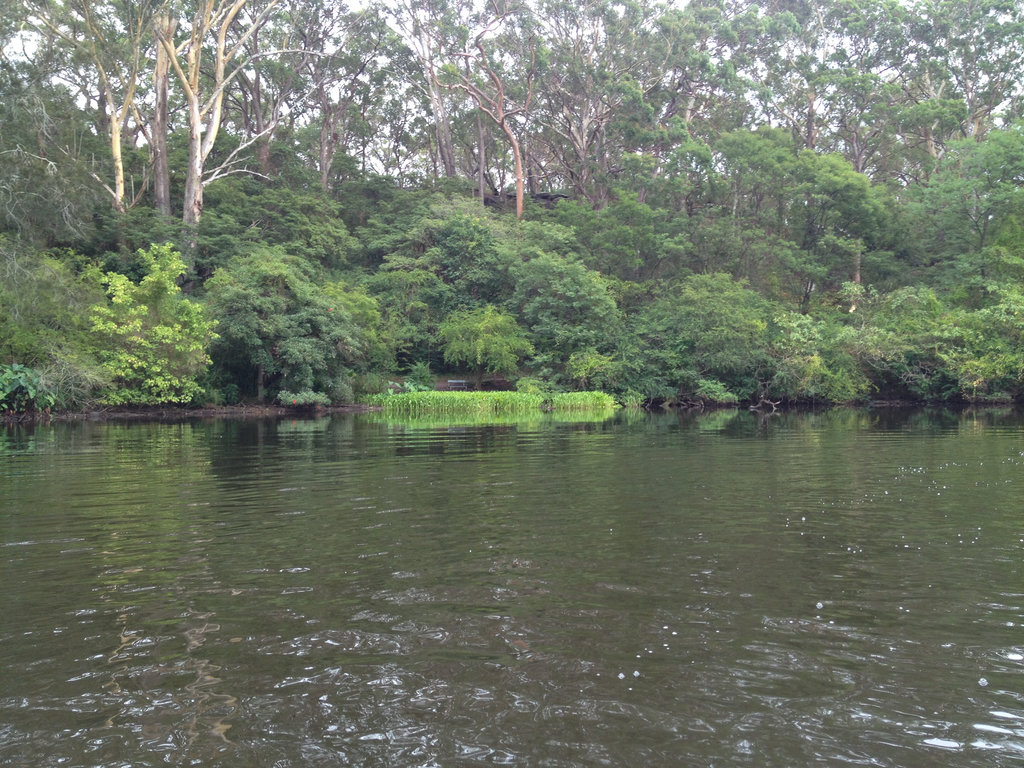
(414, 403)
(582, 401)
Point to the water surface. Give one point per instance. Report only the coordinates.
(720, 590)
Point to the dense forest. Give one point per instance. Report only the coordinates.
(222, 201)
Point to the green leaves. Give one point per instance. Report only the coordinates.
(280, 329)
(486, 339)
(154, 340)
(24, 390)
(708, 328)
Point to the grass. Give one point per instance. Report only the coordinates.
(582, 401)
(415, 403)
(488, 403)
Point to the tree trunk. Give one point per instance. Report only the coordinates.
(115, 124)
(517, 156)
(481, 158)
(193, 205)
(442, 128)
(158, 144)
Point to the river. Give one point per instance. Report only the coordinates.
(721, 589)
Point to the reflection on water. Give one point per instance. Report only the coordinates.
(725, 589)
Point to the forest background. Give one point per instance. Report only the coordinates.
(218, 201)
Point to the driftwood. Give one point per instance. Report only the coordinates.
(766, 405)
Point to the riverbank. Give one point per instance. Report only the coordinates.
(182, 413)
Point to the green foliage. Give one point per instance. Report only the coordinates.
(738, 168)
(421, 375)
(622, 240)
(463, 252)
(414, 403)
(458, 244)
(412, 306)
(707, 328)
(530, 385)
(486, 339)
(813, 360)
(589, 366)
(239, 214)
(581, 401)
(24, 390)
(47, 154)
(44, 306)
(281, 330)
(154, 341)
(457, 402)
(567, 307)
(631, 399)
(968, 213)
(303, 399)
(714, 391)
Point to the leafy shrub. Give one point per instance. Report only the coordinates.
(530, 385)
(23, 390)
(714, 391)
(420, 375)
(155, 340)
(303, 399)
(631, 399)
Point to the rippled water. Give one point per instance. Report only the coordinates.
(725, 590)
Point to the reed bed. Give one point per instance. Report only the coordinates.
(522, 421)
(415, 403)
(488, 403)
(582, 401)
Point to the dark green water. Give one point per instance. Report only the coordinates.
(834, 589)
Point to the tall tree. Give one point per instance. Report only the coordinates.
(499, 85)
(427, 27)
(219, 29)
(104, 45)
(964, 65)
(164, 26)
(601, 59)
(362, 70)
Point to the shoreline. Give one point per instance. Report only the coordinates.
(183, 413)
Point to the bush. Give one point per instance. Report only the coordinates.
(420, 375)
(303, 399)
(23, 390)
(154, 341)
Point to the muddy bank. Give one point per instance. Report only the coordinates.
(172, 413)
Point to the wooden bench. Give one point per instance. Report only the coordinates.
(456, 384)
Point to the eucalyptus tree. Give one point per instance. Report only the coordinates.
(963, 73)
(501, 84)
(792, 68)
(205, 47)
(980, 46)
(361, 100)
(427, 27)
(968, 214)
(705, 46)
(102, 50)
(861, 106)
(270, 88)
(601, 59)
(821, 217)
(47, 145)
